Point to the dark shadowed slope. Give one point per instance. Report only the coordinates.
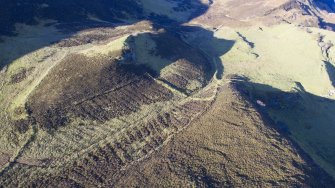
(300, 115)
(73, 16)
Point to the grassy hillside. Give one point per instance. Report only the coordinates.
(139, 92)
(287, 71)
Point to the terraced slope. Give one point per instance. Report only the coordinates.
(122, 94)
(128, 95)
(231, 145)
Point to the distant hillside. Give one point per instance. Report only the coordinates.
(98, 13)
(329, 4)
(29, 11)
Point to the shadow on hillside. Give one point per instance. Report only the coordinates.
(328, 5)
(73, 16)
(172, 46)
(331, 72)
(69, 14)
(68, 17)
(166, 47)
(211, 47)
(302, 117)
(326, 25)
(110, 74)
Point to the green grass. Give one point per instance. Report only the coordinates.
(288, 54)
(105, 49)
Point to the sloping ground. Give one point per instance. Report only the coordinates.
(237, 13)
(98, 87)
(173, 62)
(293, 80)
(100, 108)
(65, 12)
(180, 11)
(243, 13)
(101, 164)
(231, 145)
(101, 101)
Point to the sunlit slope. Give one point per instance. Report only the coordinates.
(85, 96)
(290, 70)
(281, 56)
